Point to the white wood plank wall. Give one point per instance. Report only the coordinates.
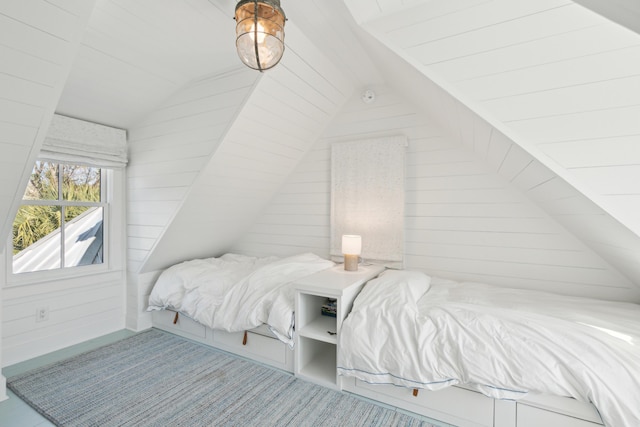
(143, 48)
(463, 220)
(562, 81)
(564, 203)
(166, 154)
(207, 202)
(168, 150)
(79, 310)
(287, 111)
(624, 12)
(138, 290)
(39, 42)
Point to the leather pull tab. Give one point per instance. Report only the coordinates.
(415, 392)
(244, 339)
(175, 318)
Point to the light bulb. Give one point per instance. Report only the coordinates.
(260, 33)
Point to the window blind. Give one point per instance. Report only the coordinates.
(77, 141)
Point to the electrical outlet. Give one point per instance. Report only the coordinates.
(42, 314)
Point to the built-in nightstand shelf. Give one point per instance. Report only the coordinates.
(318, 363)
(322, 328)
(316, 333)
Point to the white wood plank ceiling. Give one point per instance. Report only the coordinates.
(549, 77)
(284, 114)
(466, 218)
(136, 53)
(38, 40)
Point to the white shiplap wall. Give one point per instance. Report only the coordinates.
(81, 307)
(551, 76)
(624, 12)
(39, 42)
(610, 239)
(286, 111)
(166, 154)
(463, 220)
(561, 79)
(135, 54)
(168, 150)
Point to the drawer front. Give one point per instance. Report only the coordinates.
(184, 326)
(258, 346)
(563, 405)
(465, 407)
(528, 416)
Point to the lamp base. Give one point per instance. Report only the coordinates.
(351, 262)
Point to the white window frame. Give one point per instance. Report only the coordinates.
(112, 196)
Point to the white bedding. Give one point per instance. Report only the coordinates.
(236, 292)
(406, 331)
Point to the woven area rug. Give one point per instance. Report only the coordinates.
(158, 379)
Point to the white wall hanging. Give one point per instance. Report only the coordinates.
(367, 197)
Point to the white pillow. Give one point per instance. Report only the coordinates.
(415, 283)
(393, 288)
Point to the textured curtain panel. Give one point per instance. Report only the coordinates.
(80, 142)
(367, 197)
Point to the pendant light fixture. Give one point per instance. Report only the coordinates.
(260, 33)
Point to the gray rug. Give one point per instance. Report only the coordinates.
(158, 379)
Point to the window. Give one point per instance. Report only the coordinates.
(71, 220)
(61, 221)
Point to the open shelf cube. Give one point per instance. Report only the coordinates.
(318, 361)
(312, 323)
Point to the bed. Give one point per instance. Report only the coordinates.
(232, 294)
(411, 331)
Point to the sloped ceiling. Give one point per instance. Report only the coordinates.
(463, 220)
(38, 45)
(523, 86)
(623, 12)
(546, 92)
(557, 77)
(285, 113)
(135, 54)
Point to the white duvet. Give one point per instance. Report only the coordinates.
(406, 331)
(236, 292)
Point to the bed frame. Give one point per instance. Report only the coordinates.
(455, 405)
(467, 408)
(257, 344)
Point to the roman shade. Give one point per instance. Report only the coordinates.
(77, 141)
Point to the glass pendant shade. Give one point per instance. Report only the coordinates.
(260, 33)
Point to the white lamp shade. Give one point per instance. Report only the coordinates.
(351, 244)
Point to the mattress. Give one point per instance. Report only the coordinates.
(236, 292)
(409, 330)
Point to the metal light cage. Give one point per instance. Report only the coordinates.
(260, 33)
